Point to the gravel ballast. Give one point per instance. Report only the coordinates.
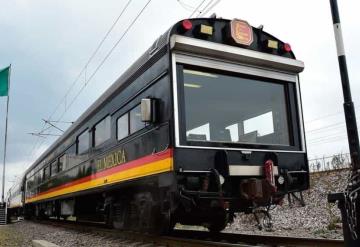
(317, 218)
(22, 233)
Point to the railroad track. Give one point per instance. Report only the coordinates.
(190, 238)
(235, 238)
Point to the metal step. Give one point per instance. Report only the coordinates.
(3, 219)
(3, 215)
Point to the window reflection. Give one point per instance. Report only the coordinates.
(83, 142)
(123, 126)
(227, 108)
(102, 131)
(135, 120)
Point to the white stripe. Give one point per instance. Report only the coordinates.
(339, 40)
(242, 170)
(237, 54)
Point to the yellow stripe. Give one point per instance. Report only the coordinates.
(136, 172)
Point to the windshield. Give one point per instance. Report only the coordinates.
(227, 108)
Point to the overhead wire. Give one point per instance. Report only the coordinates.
(91, 57)
(204, 9)
(325, 127)
(37, 143)
(327, 131)
(107, 56)
(210, 8)
(102, 62)
(197, 8)
(327, 136)
(330, 140)
(328, 115)
(201, 12)
(186, 6)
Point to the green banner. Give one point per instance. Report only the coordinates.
(4, 81)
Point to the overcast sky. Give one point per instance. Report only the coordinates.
(49, 42)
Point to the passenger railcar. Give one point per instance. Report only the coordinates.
(208, 122)
(15, 199)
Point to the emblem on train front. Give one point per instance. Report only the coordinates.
(241, 32)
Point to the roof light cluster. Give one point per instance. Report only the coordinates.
(241, 33)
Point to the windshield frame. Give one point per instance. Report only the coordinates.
(292, 98)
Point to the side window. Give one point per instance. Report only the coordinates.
(29, 183)
(135, 120)
(38, 176)
(102, 131)
(122, 126)
(82, 142)
(46, 173)
(62, 165)
(54, 168)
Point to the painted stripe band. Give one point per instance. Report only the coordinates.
(145, 166)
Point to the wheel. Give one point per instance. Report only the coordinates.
(219, 221)
(118, 213)
(164, 222)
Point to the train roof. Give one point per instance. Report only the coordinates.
(161, 42)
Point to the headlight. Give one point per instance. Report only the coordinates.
(281, 180)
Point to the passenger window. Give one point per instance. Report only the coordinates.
(82, 142)
(54, 168)
(102, 131)
(39, 177)
(123, 126)
(135, 120)
(46, 173)
(62, 164)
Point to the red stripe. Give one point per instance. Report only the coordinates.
(118, 168)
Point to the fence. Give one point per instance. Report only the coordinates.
(335, 162)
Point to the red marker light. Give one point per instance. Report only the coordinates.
(287, 47)
(186, 25)
(269, 174)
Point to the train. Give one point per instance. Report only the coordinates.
(207, 123)
(15, 199)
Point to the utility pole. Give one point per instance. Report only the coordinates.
(5, 141)
(349, 200)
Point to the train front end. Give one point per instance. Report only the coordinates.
(238, 127)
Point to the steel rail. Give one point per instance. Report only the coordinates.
(266, 240)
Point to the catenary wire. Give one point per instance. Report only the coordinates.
(197, 8)
(37, 143)
(186, 6)
(328, 115)
(210, 8)
(102, 62)
(90, 59)
(106, 57)
(204, 9)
